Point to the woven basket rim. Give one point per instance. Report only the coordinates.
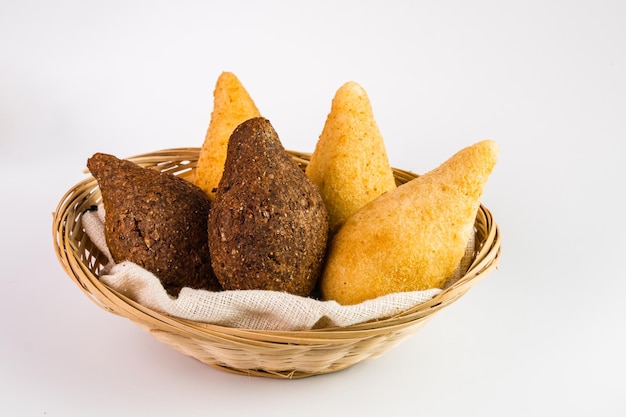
(79, 257)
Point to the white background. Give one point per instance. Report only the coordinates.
(543, 335)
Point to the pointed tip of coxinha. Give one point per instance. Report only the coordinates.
(470, 167)
(232, 105)
(350, 165)
(352, 96)
(412, 238)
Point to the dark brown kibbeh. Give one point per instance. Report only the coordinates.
(156, 220)
(268, 225)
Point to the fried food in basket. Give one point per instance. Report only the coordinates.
(268, 225)
(350, 164)
(232, 105)
(411, 238)
(156, 220)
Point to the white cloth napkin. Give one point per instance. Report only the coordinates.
(249, 309)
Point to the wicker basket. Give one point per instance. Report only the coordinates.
(279, 354)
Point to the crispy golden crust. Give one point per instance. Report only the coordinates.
(413, 237)
(268, 225)
(232, 105)
(156, 220)
(350, 164)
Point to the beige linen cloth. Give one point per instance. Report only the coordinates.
(248, 309)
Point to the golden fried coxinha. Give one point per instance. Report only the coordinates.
(412, 238)
(232, 105)
(349, 164)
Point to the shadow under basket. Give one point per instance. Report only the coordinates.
(278, 354)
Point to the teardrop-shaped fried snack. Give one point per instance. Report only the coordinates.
(268, 225)
(412, 238)
(349, 164)
(156, 220)
(232, 105)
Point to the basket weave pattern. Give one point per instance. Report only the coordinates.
(280, 354)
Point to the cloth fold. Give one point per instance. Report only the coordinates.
(249, 309)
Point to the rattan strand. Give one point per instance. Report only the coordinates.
(286, 354)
